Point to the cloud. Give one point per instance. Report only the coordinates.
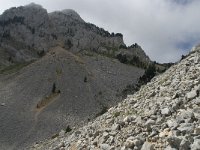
(165, 29)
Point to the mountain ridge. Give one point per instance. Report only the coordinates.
(30, 31)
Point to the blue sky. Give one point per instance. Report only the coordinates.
(166, 29)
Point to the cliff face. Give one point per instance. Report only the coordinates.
(28, 32)
(164, 114)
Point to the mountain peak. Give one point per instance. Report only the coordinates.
(67, 13)
(34, 5)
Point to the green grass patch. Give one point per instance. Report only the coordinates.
(14, 68)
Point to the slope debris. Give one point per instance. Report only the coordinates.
(164, 114)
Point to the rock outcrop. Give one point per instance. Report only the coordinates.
(28, 32)
(164, 114)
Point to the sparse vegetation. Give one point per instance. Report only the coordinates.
(104, 109)
(48, 99)
(68, 44)
(53, 88)
(58, 71)
(54, 136)
(122, 58)
(41, 53)
(116, 114)
(14, 68)
(16, 19)
(85, 79)
(122, 47)
(100, 93)
(68, 129)
(130, 89)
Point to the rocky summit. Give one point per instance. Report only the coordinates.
(164, 115)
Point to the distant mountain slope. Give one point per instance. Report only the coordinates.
(86, 85)
(164, 114)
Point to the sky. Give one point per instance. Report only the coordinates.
(165, 29)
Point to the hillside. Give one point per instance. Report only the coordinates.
(164, 114)
(59, 72)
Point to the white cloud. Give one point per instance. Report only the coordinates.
(164, 28)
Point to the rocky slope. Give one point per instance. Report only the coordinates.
(164, 114)
(58, 90)
(56, 70)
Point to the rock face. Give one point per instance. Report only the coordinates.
(28, 32)
(159, 121)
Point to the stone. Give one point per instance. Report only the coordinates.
(137, 142)
(105, 135)
(105, 147)
(186, 114)
(185, 144)
(196, 144)
(170, 148)
(174, 142)
(172, 123)
(150, 122)
(61, 133)
(129, 143)
(127, 119)
(165, 111)
(3, 104)
(186, 127)
(165, 133)
(147, 146)
(197, 130)
(192, 94)
(115, 127)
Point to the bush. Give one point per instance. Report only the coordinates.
(85, 79)
(122, 47)
(68, 129)
(122, 58)
(68, 44)
(53, 88)
(103, 111)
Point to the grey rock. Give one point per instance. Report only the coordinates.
(147, 146)
(196, 145)
(105, 147)
(138, 142)
(115, 127)
(174, 142)
(172, 123)
(128, 119)
(165, 111)
(150, 122)
(170, 148)
(192, 94)
(129, 143)
(186, 127)
(185, 145)
(197, 130)
(3, 104)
